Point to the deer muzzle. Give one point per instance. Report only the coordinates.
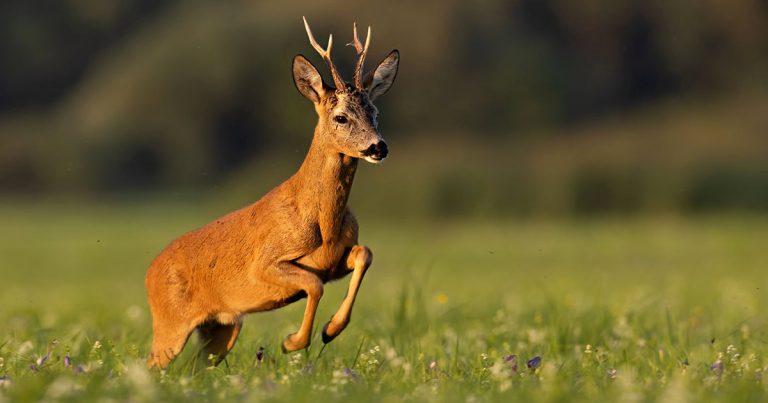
(375, 153)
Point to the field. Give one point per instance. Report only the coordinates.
(636, 309)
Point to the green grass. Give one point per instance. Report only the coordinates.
(621, 310)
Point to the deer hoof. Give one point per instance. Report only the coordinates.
(331, 330)
(291, 343)
(327, 338)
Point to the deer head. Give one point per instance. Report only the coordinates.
(347, 117)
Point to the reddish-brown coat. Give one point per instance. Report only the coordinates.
(283, 247)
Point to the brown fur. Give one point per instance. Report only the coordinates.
(278, 250)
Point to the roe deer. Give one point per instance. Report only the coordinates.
(290, 242)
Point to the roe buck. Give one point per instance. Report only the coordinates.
(289, 243)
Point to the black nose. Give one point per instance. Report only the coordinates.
(378, 150)
(381, 150)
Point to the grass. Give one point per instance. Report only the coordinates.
(626, 310)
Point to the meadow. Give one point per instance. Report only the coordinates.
(604, 309)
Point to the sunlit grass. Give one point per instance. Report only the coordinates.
(620, 310)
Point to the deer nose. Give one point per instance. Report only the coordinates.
(381, 150)
(378, 151)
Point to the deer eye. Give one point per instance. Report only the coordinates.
(340, 119)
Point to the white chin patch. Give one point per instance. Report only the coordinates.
(373, 160)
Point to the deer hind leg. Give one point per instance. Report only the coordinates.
(217, 339)
(167, 342)
(358, 260)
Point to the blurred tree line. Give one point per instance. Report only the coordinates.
(566, 106)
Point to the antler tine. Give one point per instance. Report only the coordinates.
(362, 51)
(326, 55)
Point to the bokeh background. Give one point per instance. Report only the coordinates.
(582, 181)
(501, 108)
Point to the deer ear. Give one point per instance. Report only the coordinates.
(308, 81)
(378, 80)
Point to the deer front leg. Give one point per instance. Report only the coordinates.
(358, 260)
(290, 276)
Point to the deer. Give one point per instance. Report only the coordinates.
(288, 244)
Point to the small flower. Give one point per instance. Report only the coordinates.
(260, 354)
(343, 376)
(441, 298)
(717, 367)
(67, 361)
(25, 347)
(134, 312)
(309, 368)
(499, 371)
(348, 372)
(433, 365)
(511, 361)
(407, 368)
(97, 345)
(41, 360)
(588, 349)
(612, 373)
(295, 360)
(534, 362)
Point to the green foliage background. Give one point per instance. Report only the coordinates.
(533, 107)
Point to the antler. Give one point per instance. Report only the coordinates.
(362, 51)
(326, 54)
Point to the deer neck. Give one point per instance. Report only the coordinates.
(323, 183)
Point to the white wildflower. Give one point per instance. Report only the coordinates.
(394, 360)
(371, 359)
(744, 331)
(134, 313)
(675, 392)
(390, 353)
(628, 385)
(62, 387)
(622, 329)
(236, 381)
(339, 377)
(137, 375)
(536, 336)
(25, 347)
(499, 371)
(407, 368)
(295, 360)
